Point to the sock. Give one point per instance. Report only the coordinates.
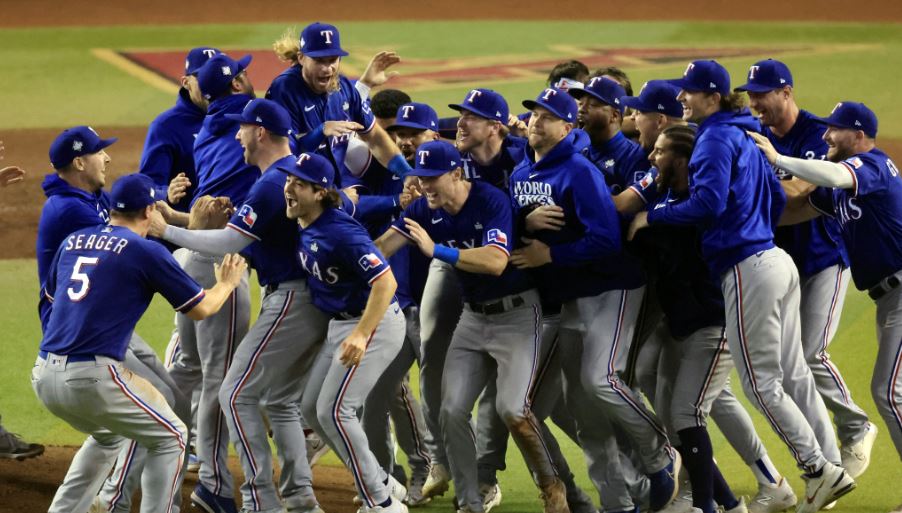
(307, 432)
(698, 459)
(386, 503)
(765, 471)
(723, 495)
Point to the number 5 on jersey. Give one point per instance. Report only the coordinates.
(81, 277)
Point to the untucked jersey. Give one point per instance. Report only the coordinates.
(341, 262)
(101, 282)
(262, 218)
(870, 215)
(498, 171)
(621, 161)
(485, 219)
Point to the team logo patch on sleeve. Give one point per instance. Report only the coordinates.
(369, 261)
(497, 236)
(248, 216)
(855, 162)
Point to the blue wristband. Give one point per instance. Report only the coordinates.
(446, 254)
(311, 141)
(399, 166)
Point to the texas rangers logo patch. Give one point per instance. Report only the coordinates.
(497, 236)
(855, 162)
(369, 261)
(247, 215)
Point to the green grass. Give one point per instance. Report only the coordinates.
(52, 80)
(853, 349)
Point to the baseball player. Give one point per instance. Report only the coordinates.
(628, 125)
(351, 282)
(860, 186)
(325, 107)
(816, 248)
(501, 321)
(270, 363)
(735, 197)
(599, 301)
(79, 374)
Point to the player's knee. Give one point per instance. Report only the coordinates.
(685, 418)
(882, 395)
(452, 410)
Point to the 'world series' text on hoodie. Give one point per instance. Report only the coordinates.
(219, 157)
(734, 196)
(586, 253)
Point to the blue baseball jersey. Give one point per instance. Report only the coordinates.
(621, 161)
(870, 215)
(169, 147)
(102, 281)
(262, 218)
(66, 210)
(734, 195)
(486, 219)
(498, 171)
(689, 296)
(219, 157)
(586, 253)
(646, 188)
(309, 110)
(341, 262)
(816, 244)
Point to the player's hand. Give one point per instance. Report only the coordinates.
(516, 125)
(352, 349)
(178, 187)
(639, 222)
(339, 128)
(534, 254)
(420, 237)
(545, 217)
(209, 213)
(764, 144)
(351, 193)
(375, 73)
(10, 175)
(231, 270)
(158, 220)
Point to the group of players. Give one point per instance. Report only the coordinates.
(546, 265)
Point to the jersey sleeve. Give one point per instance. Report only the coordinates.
(415, 211)
(264, 205)
(157, 161)
(499, 226)
(169, 279)
(709, 185)
(366, 261)
(645, 187)
(360, 110)
(868, 175)
(595, 210)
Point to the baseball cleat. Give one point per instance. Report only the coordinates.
(739, 508)
(415, 492)
(438, 481)
(554, 497)
(210, 502)
(664, 486)
(316, 448)
(393, 507)
(396, 489)
(832, 484)
(13, 447)
(828, 507)
(773, 498)
(857, 456)
(682, 504)
(298, 504)
(579, 501)
(491, 496)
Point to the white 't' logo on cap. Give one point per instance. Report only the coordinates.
(423, 155)
(326, 34)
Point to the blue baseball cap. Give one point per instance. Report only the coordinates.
(312, 168)
(854, 115)
(197, 57)
(765, 76)
(266, 113)
(557, 102)
(132, 192)
(436, 158)
(656, 96)
(321, 40)
(485, 103)
(218, 72)
(76, 142)
(604, 89)
(706, 76)
(416, 115)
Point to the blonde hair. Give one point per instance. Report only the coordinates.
(288, 46)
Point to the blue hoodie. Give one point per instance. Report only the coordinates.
(169, 147)
(586, 253)
(734, 196)
(219, 157)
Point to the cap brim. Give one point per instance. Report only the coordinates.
(831, 122)
(326, 53)
(240, 118)
(683, 84)
(244, 62)
(104, 143)
(756, 88)
(634, 102)
(427, 172)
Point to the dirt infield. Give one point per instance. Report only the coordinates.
(28, 486)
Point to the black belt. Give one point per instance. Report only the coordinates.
(272, 287)
(878, 291)
(74, 358)
(347, 316)
(497, 307)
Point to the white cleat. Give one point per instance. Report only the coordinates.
(491, 496)
(438, 482)
(832, 484)
(394, 507)
(396, 489)
(773, 498)
(742, 507)
(857, 456)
